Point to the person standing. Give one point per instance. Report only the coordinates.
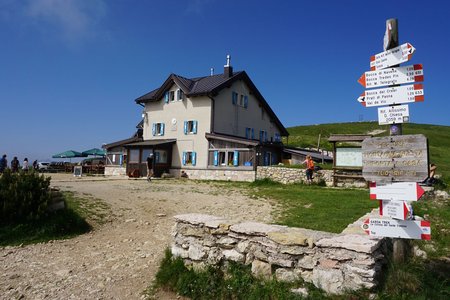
(25, 165)
(15, 165)
(35, 165)
(150, 167)
(309, 168)
(3, 163)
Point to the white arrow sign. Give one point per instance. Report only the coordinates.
(419, 230)
(392, 95)
(396, 191)
(393, 114)
(400, 210)
(392, 57)
(391, 76)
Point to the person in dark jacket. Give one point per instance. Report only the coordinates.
(150, 166)
(3, 163)
(15, 165)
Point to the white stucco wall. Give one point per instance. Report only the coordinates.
(233, 119)
(173, 115)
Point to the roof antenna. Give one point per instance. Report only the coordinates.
(212, 71)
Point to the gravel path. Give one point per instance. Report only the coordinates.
(119, 259)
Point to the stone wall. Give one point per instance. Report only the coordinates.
(115, 171)
(332, 262)
(206, 174)
(291, 175)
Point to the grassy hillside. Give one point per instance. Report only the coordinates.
(438, 138)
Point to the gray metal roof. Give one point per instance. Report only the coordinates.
(209, 85)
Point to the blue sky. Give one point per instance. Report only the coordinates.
(71, 69)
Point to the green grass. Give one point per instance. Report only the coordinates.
(438, 138)
(315, 207)
(61, 224)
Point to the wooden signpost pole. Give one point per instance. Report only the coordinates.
(400, 246)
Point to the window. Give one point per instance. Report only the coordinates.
(243, 99)
(263, 136)
(225, 158)
(189, 158)
(249, 133)
(180, 95)
(277, 137)
(158, 129)
(190, 127)
(134, 156)
(160, 156)
(172, 95)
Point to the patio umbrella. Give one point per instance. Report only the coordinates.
(95, 151)
(69, 154)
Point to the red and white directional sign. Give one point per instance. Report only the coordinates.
(392, 95)
(391, 76)
(397, 114)
(396, 191)
(419, 230)
(392, 57)
(400, 210)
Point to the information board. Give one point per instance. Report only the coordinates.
(77, 171)
(348, 157)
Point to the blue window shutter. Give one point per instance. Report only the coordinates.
(156, 157)
(236, 158)
(194, 158)
(234, 98)
(274, 159)
(120, 159)
(153, 129)
(266, 158)
(253, 133)
(178, 94)
(194, 129)
(265, 136)
(184, 159)
(185, 127)
(245, 101)
(166, 97)
(162, 128)
(246, 132)
(216, 158)
(261, 135)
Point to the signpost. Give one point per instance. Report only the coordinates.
(392, 95)
(395, 158)
(396, 191)
(392, 57)
(393, 114)
(419, 230)
(396, 163)
(400, 210)
(390, 76)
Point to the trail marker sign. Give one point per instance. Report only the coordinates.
(392, 57)
(392, 95)
(397, 114)
(395, 158)
(419, 230)
(396, 191)
(391, 76)
(400, 210)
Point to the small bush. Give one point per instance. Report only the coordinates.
(23, 196)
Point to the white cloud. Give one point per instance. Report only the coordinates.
(74, 20)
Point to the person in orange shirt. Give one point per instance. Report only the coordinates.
(309, 168)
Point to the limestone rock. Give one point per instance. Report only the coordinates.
(196, 252)
(358, 243)
(286, 275)
(288, 238)
(307, 262)
(233, 255)
(254, 228)
(179, 252)
(261, 269)
(330, 280)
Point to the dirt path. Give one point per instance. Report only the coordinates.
(117, 260)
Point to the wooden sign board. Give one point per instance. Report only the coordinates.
(419, 230)
(395, 158)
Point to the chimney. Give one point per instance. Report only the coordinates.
(228, 69)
